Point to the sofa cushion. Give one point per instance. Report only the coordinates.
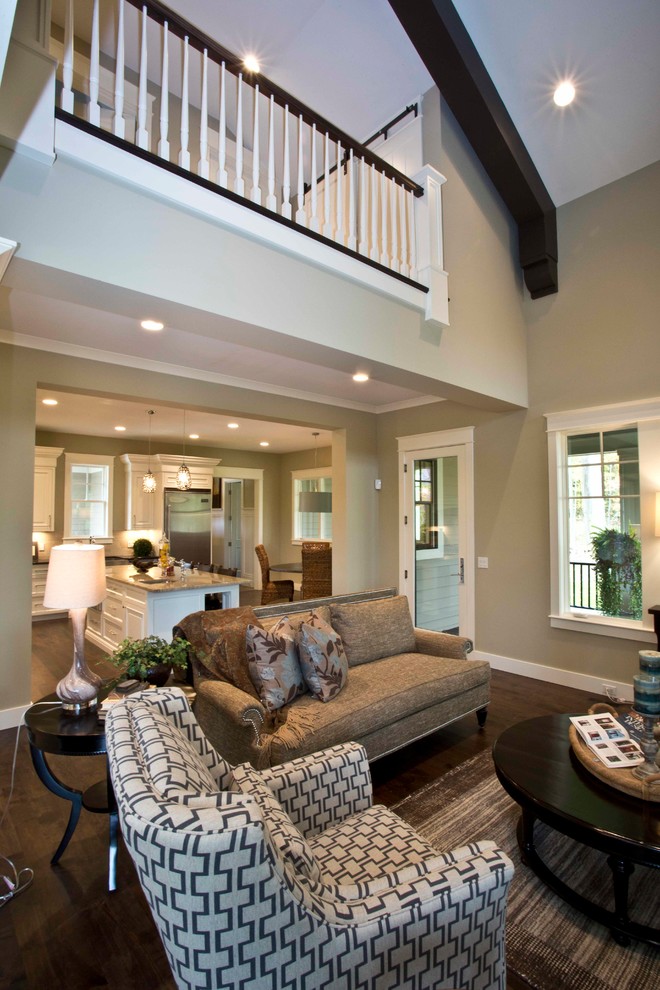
(287, 839)
(273, 664)
(372, 630)
(174, 766)
(224, 654)
(322, 659)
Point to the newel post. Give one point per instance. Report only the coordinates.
(430, 256)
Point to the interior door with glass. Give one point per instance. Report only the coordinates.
(436, 575)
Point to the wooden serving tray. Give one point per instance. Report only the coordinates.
(647, 789)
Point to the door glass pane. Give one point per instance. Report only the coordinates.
(437, 560)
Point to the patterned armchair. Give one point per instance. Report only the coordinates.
(290, 877)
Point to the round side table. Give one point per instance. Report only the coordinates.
(52, 731)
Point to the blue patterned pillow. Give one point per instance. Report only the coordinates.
(322, 659)
(274, 666)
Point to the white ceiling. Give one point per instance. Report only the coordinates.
(351, 61)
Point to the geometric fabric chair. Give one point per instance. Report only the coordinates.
(316, 570)
(272, 591)
(291, 877)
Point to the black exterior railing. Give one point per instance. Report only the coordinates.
(583, 585)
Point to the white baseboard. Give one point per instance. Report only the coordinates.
(11, 717)
(555, 675)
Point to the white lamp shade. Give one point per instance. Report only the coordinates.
(315, 502)
(76, 576)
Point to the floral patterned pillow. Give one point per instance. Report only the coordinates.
(322, 659)
(273, 666)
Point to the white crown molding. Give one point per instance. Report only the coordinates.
(597, 417)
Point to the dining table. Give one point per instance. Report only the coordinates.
(295, 567)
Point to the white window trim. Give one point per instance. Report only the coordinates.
(303, 475)
(69, 461)
(645, 415)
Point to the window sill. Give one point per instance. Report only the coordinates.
(105, 540)
(617, 629)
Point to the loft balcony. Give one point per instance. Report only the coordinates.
(141, 95)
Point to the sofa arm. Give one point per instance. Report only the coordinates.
(230, 718)
(440, 644)
(324, 788)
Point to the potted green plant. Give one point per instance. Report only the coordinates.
(618, 559)
(143, 554)
(150, 659)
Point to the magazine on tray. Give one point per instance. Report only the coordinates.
(609, 740)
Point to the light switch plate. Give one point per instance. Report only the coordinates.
(482, 562)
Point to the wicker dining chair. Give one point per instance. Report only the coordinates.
(316, 570)
(271, 591)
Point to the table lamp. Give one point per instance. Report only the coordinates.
(75, 581)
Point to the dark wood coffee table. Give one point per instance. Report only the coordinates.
(536, 766)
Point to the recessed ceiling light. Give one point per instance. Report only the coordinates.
(232, 426)
(120, 429)
(49, 402)
(360, 377)
(251, 64)
(264, 443)
(152, 325)
(564, 93)
(193, 436)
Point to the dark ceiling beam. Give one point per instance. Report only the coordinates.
(451, 58)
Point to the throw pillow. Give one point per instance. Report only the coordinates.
(226, 657)
(175, 767)
(289, 842)
(322, 660)
(371, 630)
(273, 665)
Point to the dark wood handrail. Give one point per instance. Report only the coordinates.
(200, 41)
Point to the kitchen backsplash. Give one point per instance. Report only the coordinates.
(120, 547)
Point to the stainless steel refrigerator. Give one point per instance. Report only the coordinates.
(188, 524)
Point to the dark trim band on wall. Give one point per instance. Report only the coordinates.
(445, 47)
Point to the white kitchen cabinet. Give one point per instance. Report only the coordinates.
(141, 508)
(43, 512)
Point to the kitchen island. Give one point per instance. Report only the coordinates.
(138, 605)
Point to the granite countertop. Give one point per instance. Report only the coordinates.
(154, 581)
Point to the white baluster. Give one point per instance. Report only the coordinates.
(373, 253)
(364, 233)
(271, 202)
(314, 223)
(93, 108)
(118, 122)
(405, 267)
(352, 239)
(255, 192)
(222, 136)
(66, 98)
(164, 144)
(384, 255)
(286, 169)
(413, 235)
(203, 163)
(327, 222)
(184, 154)
(339, 199)
(239, 183)
(142, 137)
(394, 230)
(301, 216)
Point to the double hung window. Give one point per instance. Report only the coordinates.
(310, 525)
(88, 497)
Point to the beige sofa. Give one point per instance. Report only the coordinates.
(403, 683)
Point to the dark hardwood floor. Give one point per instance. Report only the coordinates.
(66, 930)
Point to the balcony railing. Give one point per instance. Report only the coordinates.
(146, 78)
(583, 585)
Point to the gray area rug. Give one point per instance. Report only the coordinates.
(549, 944)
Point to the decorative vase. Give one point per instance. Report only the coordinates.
(158, 675)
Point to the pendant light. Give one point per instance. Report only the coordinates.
(315, 501)
(149, 481)
(183, 479)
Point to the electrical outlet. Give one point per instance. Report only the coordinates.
(609, 687)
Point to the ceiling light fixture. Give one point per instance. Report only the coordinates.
(120, 429)
(264, 443)
(315, 501)
(152, 325)
(148, 480)
(360, 377)
(251, 63)
(564, 93)
(232, 426)
(49, 402)
(183, 479)
(193, 436)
